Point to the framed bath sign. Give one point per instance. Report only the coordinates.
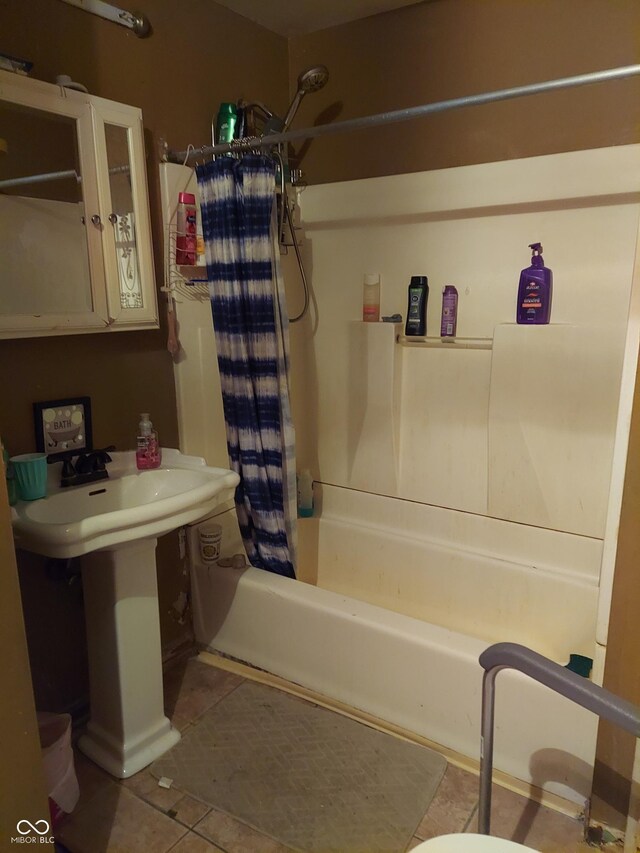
(63, 425)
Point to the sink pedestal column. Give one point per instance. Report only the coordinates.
(128, 728)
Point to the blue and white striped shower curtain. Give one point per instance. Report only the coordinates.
(252, 339)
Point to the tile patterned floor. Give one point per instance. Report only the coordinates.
(137, 816)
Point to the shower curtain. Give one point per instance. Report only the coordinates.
(251, 330)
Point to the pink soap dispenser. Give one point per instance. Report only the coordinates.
(148, 453)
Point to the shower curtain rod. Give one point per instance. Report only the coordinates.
(404, 115)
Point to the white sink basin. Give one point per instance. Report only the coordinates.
(131, 504)
(113, 525)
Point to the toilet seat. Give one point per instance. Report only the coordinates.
(463, 842)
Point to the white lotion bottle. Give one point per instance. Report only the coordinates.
(371, 298)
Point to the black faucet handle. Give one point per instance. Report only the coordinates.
(84, 463)
(94, 460)
(102, 456)
(99, 459)
(68, 468)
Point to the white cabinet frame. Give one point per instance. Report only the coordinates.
(91, 114)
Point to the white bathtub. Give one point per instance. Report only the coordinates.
(410, 672)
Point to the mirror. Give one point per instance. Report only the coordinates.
(43, 239)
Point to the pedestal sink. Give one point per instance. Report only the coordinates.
(113, 525)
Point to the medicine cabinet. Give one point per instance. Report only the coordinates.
(75, 237)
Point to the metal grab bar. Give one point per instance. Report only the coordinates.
(575, 687)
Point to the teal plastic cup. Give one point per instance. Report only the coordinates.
(30, 471)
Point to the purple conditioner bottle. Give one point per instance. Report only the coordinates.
(535, 290)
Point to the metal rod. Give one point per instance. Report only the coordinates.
(565, 682)
(39, 179)
(486, 750)
(410, 113)
(138, 23)
(569, 684)
(54, 176)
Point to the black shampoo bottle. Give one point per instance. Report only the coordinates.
(417, 307)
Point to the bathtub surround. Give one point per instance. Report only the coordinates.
(457, 405)
(237, 200)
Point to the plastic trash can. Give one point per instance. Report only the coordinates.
(57, 760)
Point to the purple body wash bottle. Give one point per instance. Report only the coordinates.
(449, 319)
(535, 290)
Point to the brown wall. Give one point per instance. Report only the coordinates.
(443, 49)
(198, 55)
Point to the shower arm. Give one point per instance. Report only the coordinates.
(293, 109)
(408, 114)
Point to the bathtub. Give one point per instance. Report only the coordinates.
(412, 672)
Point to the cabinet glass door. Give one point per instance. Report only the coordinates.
(122, 182)
(49, 245)
(122, 216)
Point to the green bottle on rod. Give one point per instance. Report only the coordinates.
(226, 123)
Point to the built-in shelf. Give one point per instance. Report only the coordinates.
(193, 274)
(449, 343)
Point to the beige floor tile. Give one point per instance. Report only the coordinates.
(452, 806)
(179, 722)
(192, 687)
(127, 816)
(189, 811)
(116, 821)
(236, 837)
(518, 819)
(144, 785)
(192, 843)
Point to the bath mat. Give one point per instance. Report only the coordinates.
(310, 778)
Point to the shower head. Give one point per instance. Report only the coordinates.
(313, 79)
(310, 80)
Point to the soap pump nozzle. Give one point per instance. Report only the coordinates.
(536, 254)
(145, 424)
